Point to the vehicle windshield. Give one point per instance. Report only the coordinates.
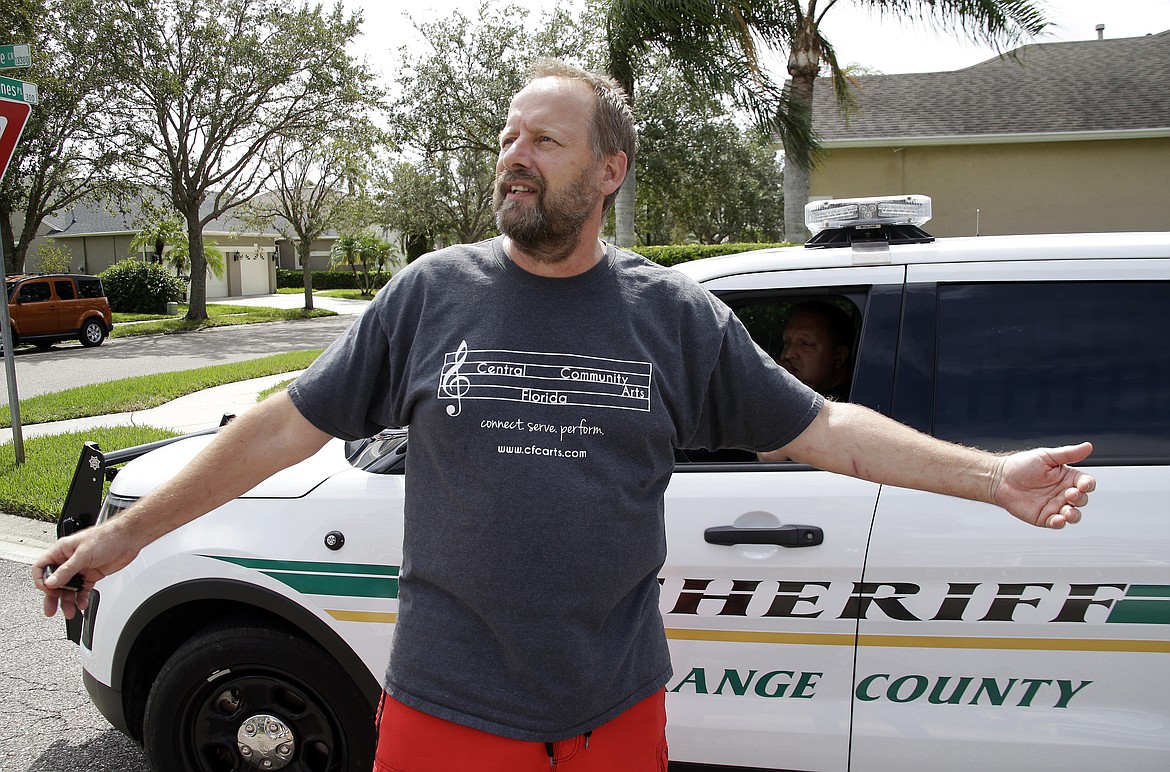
(384, 453)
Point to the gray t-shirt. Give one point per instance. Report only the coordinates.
(543, 419)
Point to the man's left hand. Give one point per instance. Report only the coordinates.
(1040, 488)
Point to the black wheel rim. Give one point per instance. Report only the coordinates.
(213, 716)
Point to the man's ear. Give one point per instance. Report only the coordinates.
(841, 357)
(614, 172)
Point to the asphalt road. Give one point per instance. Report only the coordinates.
(69, 364)
(48, 723)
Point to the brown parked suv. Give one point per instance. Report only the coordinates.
(46, 308)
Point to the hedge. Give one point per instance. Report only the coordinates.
(664, 255)
(327, 280)
(683, 253)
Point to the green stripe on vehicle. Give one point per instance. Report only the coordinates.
(354, 580)
(1143, 604)
(309, 566)
(1148, 591)
(335, 584)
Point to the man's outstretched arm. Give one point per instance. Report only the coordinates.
(1036, 486)
(262, 441)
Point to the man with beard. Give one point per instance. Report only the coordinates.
(547, 377)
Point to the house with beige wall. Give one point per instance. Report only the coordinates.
(1049, 138)
(98, 234)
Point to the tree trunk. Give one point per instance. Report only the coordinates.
(623, 209)
(306, 272)
(8, 243)
(795, 197)
(804, 63)
(197, 302)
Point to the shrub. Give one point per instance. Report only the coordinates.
(682, 253)
(327, 280)
(141, 288)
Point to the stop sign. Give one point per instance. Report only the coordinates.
(13, 116)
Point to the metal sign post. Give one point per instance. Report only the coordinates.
(10, 363)
(13, 117)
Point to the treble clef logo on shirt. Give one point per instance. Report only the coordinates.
(454, 384)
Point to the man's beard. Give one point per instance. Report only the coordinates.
(548, 229)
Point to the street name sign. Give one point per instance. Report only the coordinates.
(19, 55)
(19, 91)
(13, 116)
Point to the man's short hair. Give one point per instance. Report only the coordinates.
(612, 129)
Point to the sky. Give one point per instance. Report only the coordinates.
(885, 46)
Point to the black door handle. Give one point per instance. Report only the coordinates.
(784, 535)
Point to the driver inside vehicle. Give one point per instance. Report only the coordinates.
(818, 348)
(818, 343)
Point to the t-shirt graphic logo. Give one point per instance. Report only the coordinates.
(452, 383)
(545, 379)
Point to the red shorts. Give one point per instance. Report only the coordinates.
(412, 741)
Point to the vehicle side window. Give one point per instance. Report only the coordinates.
(1021, 365)
(64, 289)
(90, 288)
(34, 292)
(765, 317)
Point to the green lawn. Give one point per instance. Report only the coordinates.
(219, 315)
(127, 394)
(37, 487)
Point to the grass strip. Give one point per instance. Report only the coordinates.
(219, 315)
(140, 393)
(37, 487)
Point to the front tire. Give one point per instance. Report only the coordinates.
(231, 678)
(93, 333)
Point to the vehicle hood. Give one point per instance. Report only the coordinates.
(142, 475)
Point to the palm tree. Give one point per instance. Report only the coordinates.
(712, 45)
(796, 24)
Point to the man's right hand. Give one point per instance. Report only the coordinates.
(94, 554)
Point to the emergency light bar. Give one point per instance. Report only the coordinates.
(866, 212)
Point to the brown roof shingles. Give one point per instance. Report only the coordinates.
(1087, 86)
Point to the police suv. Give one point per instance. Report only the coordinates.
(816, 622)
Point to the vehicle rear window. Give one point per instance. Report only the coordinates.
(90, 288)
(64, 289)
(1021, 365)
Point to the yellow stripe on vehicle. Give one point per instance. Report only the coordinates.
(740, 636)
(381, 617)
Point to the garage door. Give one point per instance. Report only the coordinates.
(217, 288)
(254, 275)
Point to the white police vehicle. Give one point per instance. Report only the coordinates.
(889, 629)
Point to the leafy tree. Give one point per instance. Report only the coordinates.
(363, 250)
(159, 232)
(705, 177)
(53, 258)
(213, 83)
(320, 184)
(64, 155)
(453, 102)
(168, 229)
(445, 195)
(796, 24)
